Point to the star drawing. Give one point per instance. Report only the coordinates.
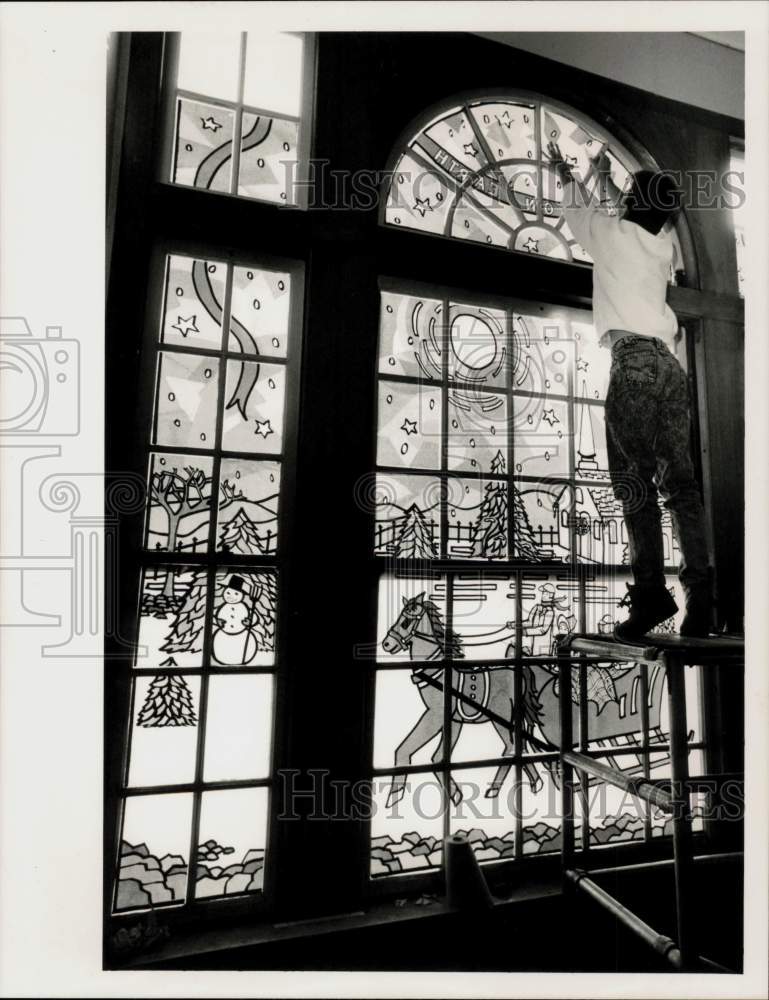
(550, 417)
(185, 326)
(409, 426)
(211, 123)
(422, 205)
(263, 427)
(531, 245)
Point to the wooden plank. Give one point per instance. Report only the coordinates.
(691, 302)
(639, 787)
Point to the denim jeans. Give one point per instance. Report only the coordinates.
(647, 436)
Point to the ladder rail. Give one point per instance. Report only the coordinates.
(673, 653)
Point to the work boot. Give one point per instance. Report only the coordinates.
(649, 606)
(698, 617)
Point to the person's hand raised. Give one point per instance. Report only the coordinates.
(559, 164)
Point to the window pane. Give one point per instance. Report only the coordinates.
(541, 811)
(483, 617)
(615, 815)
(410, 336)
(542, 521)
(593, 363)
(165, 730)
(154, 848)
(260, 309)
(542, 438)
(478, 519)
(179, 503)
(273, 80)
(268, 158)
(185, 409)
(478, 689)
(543, 353)
(203, 151)
(238, 728)
(209, 63)
(412, 617)
(254, 403)
(243, 628)
(508, 129)
(477, 431)
(171, 618)
(409, 426)
(249, 496)
(478, 341)
(550, 604)
(419, 197)
(486, 820)
(233, 835)
(408, 515)
(408, 717)
(406, 825)
(194, 299)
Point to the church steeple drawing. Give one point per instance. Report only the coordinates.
(586, 441)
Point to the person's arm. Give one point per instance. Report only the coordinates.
(577, 205)
(608, 192)
(588, 223)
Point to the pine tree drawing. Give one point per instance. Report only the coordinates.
(168, 703)
(524, 544)
(187, 629)
(415, 540)
(264, 587)
(490, 535)
(239, 535)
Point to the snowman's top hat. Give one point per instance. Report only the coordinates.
(239, 584)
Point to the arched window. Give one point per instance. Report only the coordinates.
(476, 170)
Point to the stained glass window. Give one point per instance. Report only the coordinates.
(498, 529)
(478, 172)
(199, 774)
(237, 113)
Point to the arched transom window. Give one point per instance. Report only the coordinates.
(477, 171)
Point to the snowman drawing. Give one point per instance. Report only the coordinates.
(234, 642)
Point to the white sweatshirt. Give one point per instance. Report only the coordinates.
(631, 270)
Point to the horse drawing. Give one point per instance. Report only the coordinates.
(420, 630)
